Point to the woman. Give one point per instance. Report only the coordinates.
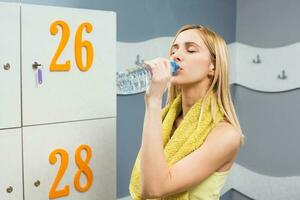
(189, 146)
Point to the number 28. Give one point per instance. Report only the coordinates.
(82, 168)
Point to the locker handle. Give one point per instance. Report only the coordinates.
(36, 65)
(9, 189)
(6, 66)
(37, 183)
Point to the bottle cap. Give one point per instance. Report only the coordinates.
(174, 67)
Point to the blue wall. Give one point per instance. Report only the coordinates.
(269, 120)
(130, 109)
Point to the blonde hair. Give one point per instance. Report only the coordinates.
(220, 83)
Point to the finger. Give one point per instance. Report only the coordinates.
(161, 74)
(166, 68)
(151, 65)
(162, 68)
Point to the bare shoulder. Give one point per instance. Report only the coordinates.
(226, 136)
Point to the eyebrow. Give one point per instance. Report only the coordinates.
(185, 44)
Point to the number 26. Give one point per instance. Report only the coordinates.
(79, 44)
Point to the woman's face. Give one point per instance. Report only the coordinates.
(193, 57)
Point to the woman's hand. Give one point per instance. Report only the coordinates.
(161, 76)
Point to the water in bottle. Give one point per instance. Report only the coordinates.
(136, 80)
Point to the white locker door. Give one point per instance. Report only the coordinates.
(10, 106)
(77, 82)
(11, 187)
(59, 143)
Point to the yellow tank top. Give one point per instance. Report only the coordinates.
(210, 188)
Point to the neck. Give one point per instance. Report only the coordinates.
(190, 94)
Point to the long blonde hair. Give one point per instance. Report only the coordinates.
(220, 83)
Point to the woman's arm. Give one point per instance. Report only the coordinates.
(154, 168)
(159, 180)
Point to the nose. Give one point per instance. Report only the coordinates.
(177, 57)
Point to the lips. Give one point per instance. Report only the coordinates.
(179, 70)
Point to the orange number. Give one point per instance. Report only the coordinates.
(83, 168)
(79, 44)
(63, 42)
(64, 163)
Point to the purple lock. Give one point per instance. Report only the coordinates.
(40, 76)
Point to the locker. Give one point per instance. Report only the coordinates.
(11, 187)
(67, 94)
(10, 100)
(41, 141)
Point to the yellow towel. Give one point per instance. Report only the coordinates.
(186, 138)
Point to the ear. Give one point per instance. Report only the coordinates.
(211, 70)
(211, 67)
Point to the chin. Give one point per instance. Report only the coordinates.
(174, 81)
(178, 81)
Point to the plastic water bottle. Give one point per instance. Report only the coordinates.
(137, 80)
